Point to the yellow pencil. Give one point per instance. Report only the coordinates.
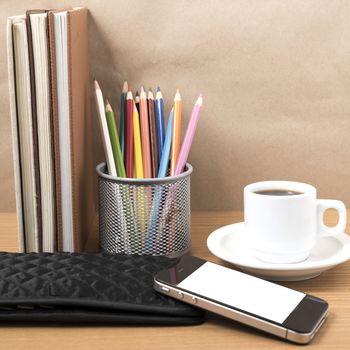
(137, 145)
(175, 147)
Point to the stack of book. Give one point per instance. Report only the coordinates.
(51, 128)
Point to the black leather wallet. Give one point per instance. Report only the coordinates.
(87, 288)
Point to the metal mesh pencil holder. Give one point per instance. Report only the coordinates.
(145, 216)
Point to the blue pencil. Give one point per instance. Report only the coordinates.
(149, 245)
(122, 118)
(160, 121)
(164, 161)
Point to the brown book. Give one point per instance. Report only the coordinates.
(74, 170)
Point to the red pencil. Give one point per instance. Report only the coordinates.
(129, 136)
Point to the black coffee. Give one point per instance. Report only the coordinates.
(278, 192)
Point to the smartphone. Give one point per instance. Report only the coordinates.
(272, 308)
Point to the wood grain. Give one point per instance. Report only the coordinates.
(216, 333)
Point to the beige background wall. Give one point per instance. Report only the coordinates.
(275, 77)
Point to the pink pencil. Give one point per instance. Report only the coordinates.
(187, 142)
(145, 140)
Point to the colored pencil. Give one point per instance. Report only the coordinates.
(146, 152)
(137, 101)
(129, 139)
(187, 141)
(153, 134)
(160, 121)
(157, 219)
(104, 130)
(176, 132)
(122, 118)
(164, 161)
(113, 134)
(137, 145)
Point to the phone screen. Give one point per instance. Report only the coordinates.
(242, 291)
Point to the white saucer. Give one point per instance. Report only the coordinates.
(231, 243)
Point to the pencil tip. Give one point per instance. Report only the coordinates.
(199, 101)
(177, 95)
(158, 88)
(129, 95)
(97, 86)
(125, 86)
(137, 93)
(150, 95)
(108, 107)
(143, 94)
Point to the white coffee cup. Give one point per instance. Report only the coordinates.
(283, 227)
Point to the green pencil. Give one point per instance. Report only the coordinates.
(113, 134)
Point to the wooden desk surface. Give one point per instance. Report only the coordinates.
(217, 333)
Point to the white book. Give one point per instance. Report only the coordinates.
(15, 141)
(39, 34)
(21, 115)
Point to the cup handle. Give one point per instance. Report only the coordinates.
(322, 206)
